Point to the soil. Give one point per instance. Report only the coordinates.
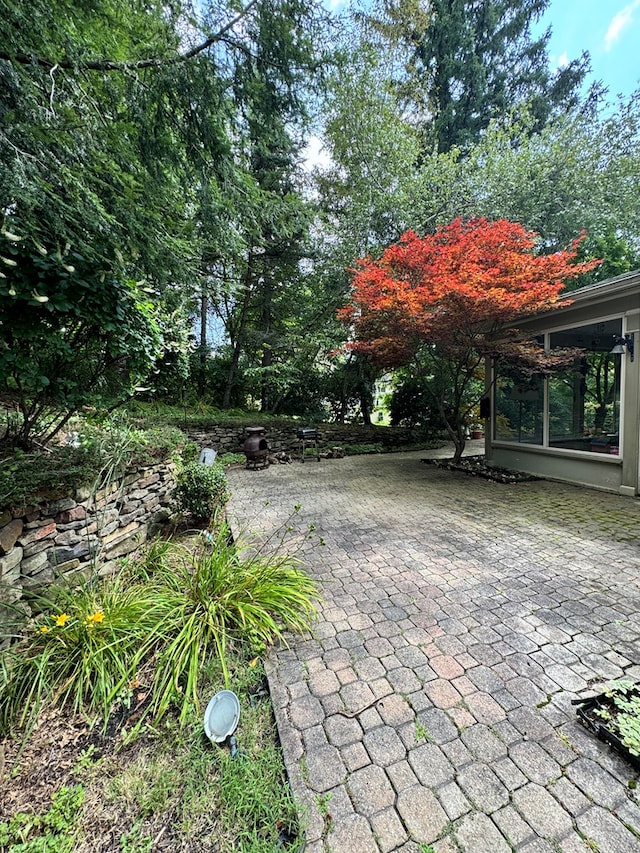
(52, 758)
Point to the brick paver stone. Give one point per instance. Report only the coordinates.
(324, 768)
(388, 830)
(430, 765)
(483, 787)
(352, 835)
(384, 746)
(535, 763)
(342, 730)
(370, 790)
(607, 832)
(423, 816)
(596, 783)
(458, 618)
(545, 816)
(476, 833)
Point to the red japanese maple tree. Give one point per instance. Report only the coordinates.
(450, 299)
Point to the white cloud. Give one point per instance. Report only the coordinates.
(620, 22)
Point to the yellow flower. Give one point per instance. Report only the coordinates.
(43, 629)
(96, 617)
(62, 620)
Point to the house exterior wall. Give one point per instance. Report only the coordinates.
(615, 298)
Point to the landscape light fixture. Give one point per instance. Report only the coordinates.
(622, 341)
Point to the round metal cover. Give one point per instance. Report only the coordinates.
(222, 716)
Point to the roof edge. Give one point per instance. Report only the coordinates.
(610, 287)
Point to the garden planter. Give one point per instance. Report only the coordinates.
(614, 717)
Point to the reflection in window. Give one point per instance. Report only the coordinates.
(519, 407)
(584, 400)
(583, 408)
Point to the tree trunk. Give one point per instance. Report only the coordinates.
(202, 361)
(267, 352)
(365, 408)
(239, 342)
(459, 442)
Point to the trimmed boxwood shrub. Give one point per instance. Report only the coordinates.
(201, 490)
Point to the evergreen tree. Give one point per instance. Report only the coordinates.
(473, 60)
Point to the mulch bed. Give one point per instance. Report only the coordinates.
(477, 466)
(32, 771)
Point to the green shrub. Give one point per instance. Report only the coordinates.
(227, 459)
(361, 449)
(190, 453)
(104, 453)
(121, 445)
(167, 616)
(201, 490)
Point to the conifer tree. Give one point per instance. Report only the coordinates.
(472, 60)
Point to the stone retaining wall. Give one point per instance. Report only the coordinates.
(283, 438)
(88, 533)
(84, 533)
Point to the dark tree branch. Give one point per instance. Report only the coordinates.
(132, 65)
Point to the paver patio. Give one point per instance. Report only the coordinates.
(459, 618)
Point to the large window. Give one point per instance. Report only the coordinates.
(519, 407)
(582, 409)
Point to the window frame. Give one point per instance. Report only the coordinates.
(545, 447)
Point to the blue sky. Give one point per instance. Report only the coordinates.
(608, 29)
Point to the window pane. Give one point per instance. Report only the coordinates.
(518, 410)
(584, 400)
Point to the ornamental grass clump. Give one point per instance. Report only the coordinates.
(80, 652)
(217, 593)
(163, 618)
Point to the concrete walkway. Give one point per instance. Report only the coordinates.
(431, 709)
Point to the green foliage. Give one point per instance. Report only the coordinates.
(201, 490)
(228, 459)
(618, 256)
(411, 403)
(26, 478)
(53, 832)
(82, 649)
(465, 62)
(178, 171)
(362, 449)
(190, 453)
(216, 593)
(250, 807)
(70, 336)
(624, 716)
(579, 172)
(121, 445)
(209, 799)
(182, 606)
(105, 451)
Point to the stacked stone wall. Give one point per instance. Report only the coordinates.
(84, 534)
(89, 533)
(283, 438)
